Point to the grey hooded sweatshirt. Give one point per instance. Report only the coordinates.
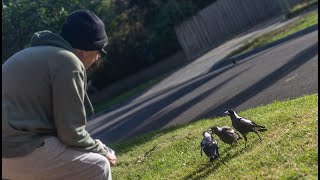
(43, 91)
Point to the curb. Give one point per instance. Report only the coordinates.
(264, 47)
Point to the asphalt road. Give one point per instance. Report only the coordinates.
(286, 71)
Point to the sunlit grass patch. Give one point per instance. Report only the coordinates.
(288, 148)
(291, 28)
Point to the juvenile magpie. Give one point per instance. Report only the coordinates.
(210, 146)
(226, 134)
(244, 126)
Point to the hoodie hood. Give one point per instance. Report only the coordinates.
(47, 38)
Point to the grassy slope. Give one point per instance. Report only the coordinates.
(298, 9)
(288, 149)
(295, 26)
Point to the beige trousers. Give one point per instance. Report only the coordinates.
(54, 161)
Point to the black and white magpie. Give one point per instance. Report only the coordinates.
(244, 126)
(226, 134)
(210, 146)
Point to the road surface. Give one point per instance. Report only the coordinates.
(286, 71)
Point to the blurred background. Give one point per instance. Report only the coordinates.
(141, 33)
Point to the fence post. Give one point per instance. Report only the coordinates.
(285, 5)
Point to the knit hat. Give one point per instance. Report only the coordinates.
(84, 30)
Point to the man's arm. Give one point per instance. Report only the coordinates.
(68, 93)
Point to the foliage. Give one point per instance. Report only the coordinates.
(22, 18)
(141, 33)
(288, 149)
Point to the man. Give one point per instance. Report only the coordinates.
(43, 113)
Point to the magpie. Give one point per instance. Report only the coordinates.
(210, 146)
(226, 134)
(244, 126)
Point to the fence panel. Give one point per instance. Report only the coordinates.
(225, 19)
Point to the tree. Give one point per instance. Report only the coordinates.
(22, 18)
(140, 32)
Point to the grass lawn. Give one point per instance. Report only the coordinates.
(288, 150)
(296, 10)
(295, 26)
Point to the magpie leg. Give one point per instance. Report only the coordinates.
(245, 138)
(257, 134)
(231, 145)
(239, 136)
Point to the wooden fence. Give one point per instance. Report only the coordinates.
(225, 19)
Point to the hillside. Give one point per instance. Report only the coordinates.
(288, 149)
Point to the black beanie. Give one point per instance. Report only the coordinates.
(84, 30)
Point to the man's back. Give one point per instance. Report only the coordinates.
(27, 95)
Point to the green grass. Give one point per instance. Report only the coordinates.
(288, 149)
(297, 25)
(298, 9)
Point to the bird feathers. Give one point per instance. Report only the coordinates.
(226, 134)
(244, 126)
(209, 146)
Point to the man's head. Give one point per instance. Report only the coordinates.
(86, 33)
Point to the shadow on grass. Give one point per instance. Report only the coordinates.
(208, 169)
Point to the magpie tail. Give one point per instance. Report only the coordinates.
(261, 130)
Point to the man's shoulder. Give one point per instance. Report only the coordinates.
(60, 58)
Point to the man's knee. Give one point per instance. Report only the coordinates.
(105, 164)
(104, 168)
